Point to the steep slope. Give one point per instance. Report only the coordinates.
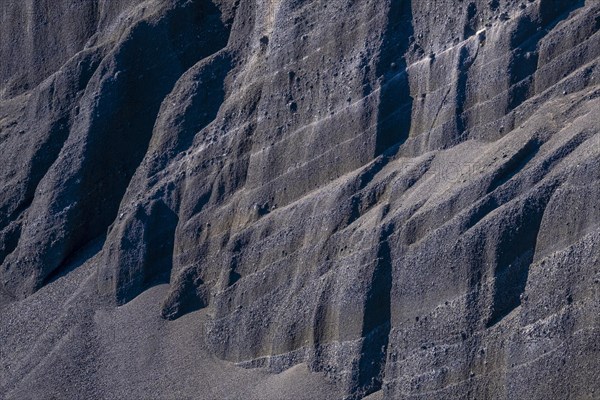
(400, 195)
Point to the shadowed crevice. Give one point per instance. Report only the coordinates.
(514, 254)
(189, 295)
(9, 239)
(465, 62)
(151, 262)
(204, 102)
(525, 41)
(515, 164)
(395, 102)
(377, 320)
(471, 21)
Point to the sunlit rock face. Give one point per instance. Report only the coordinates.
(401, 195)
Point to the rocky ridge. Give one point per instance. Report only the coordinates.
(400, 195)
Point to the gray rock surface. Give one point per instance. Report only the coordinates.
(300, 199)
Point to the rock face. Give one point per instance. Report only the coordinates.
(401, 195)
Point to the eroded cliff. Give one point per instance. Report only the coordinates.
(402, 196)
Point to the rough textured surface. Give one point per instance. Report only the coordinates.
(300, 199)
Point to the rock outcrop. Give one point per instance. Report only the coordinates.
(401, 195)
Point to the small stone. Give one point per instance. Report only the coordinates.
(523, 297)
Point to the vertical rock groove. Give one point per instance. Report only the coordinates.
(395, 101)
(377, 320)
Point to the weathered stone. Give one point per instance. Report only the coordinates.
(402, 195)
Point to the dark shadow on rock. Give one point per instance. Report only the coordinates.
(53, 130)
(471, 21)
(9, 239)
(466, 59)
(189, 295)
(395, 102)
(76, 260)
(514, 254)
(514, 165)
(205, 101)
(148, 66)
(160, 241)
(151, 256)
(377, 320)
(525, 41)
